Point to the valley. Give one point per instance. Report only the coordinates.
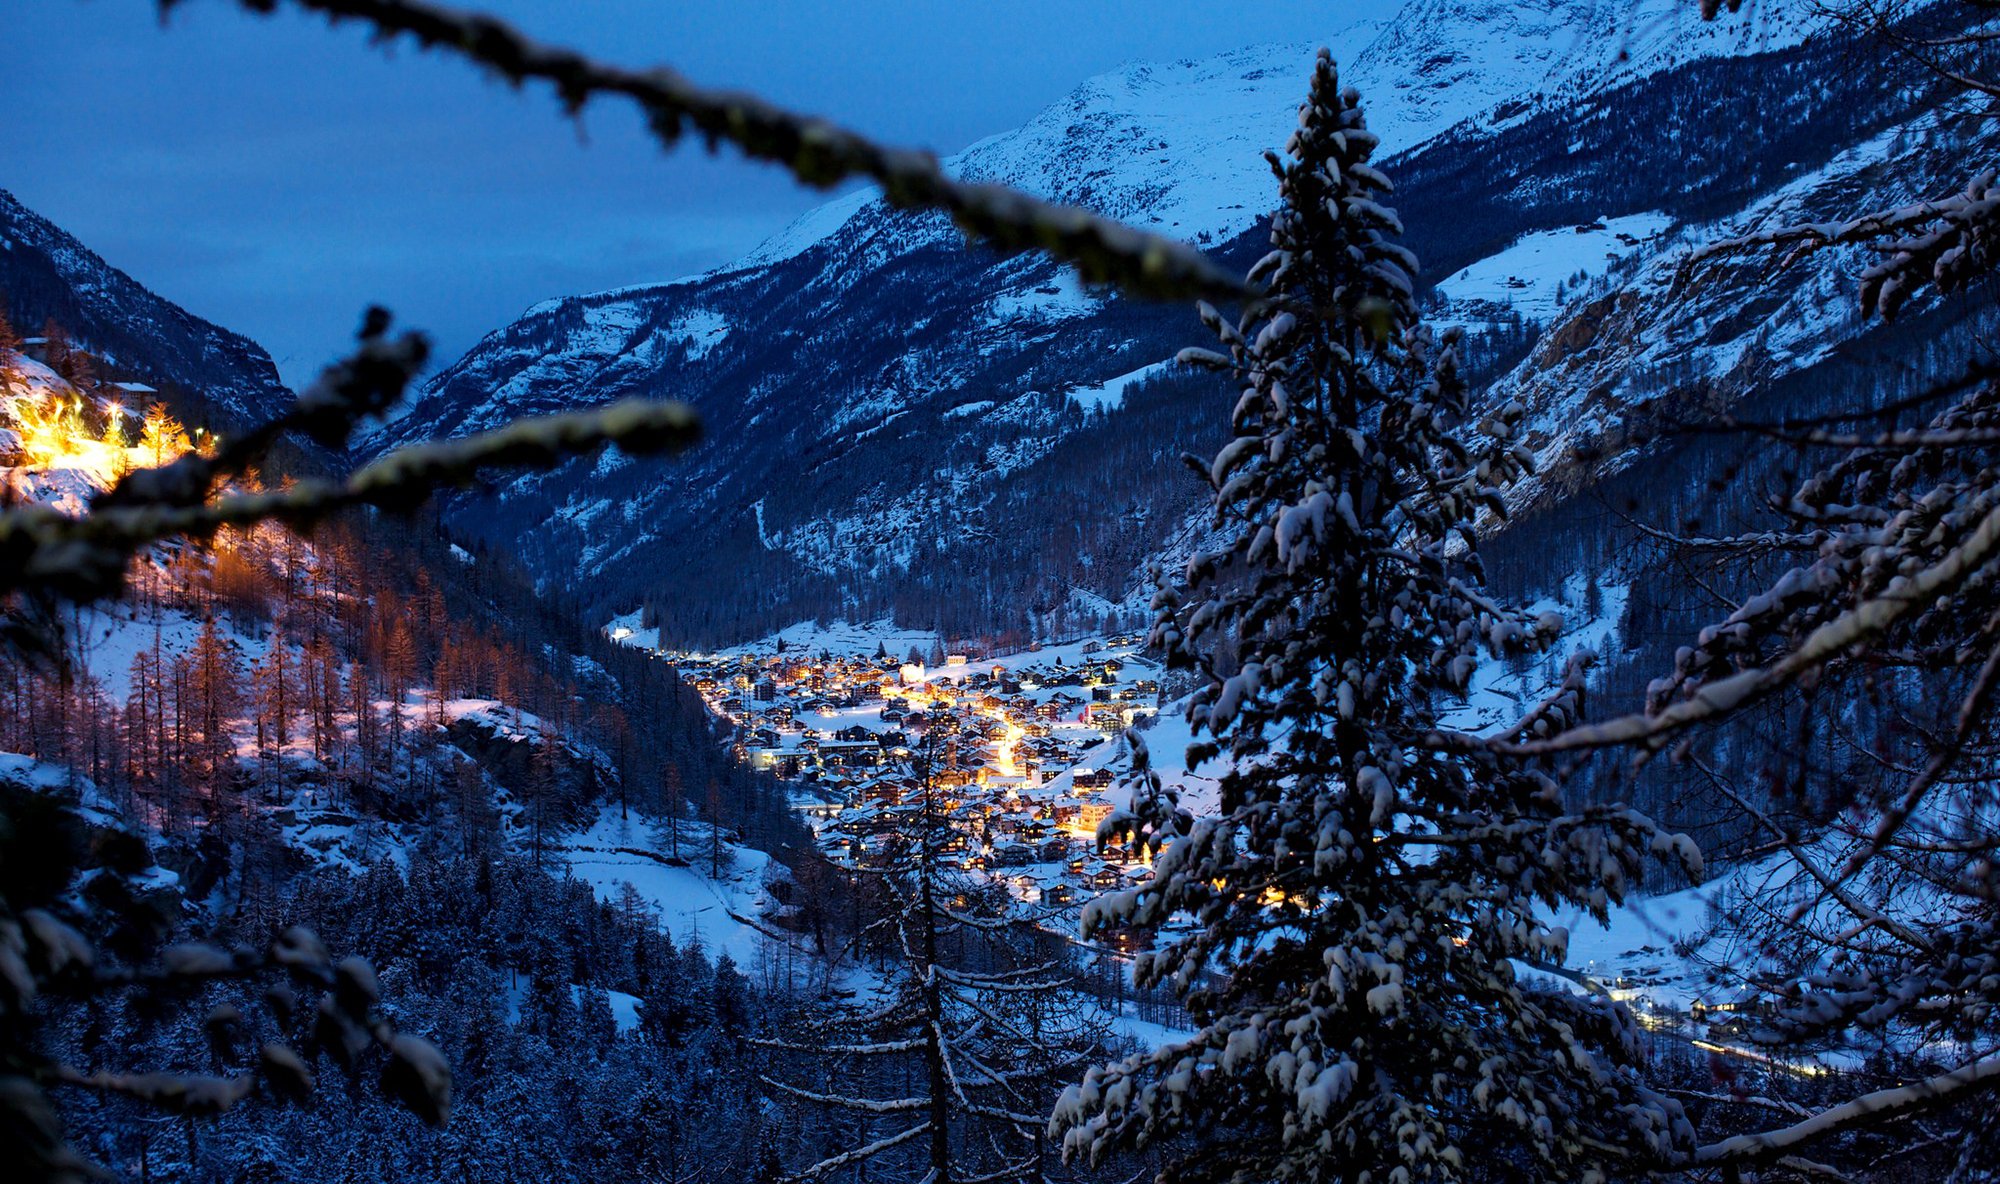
(1500, 690)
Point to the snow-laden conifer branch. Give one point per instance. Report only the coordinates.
(815, 151)
(1710, 700)
(41, 957)
(847, 1102)
(1944, 243)
(1869, 1109)
(863, 1152)
(879, 1048)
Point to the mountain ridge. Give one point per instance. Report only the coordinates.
(218, 378)
(887, 409)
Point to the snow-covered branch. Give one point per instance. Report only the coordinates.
(1867, 1110)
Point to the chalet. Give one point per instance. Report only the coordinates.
(783, 762)
(850, 754)
(1011, 854)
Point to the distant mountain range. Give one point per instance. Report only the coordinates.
(902, 425)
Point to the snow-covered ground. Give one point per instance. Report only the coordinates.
(107, 639)
(90, 802)
(1537, 274)
(806, 637)
(691, 904)
(1109, 395)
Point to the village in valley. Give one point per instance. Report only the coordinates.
(1025, 747)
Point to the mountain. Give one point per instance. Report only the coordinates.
(900, 425)
(215, 377)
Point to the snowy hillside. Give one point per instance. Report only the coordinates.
(1642, 340)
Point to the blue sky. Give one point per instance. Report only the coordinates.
(276, 176)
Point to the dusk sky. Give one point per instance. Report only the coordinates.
(276, 176)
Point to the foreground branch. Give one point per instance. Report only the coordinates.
(815, 151)
(1867, 1109)
(85, 558)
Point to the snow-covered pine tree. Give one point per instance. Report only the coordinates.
(1371, 885)
(947, 1070)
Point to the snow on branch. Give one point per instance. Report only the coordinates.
(1726, 696)
(1945, 242)
(836, 1162)
(1868, 1109)
(815, 151)
(866, 1105)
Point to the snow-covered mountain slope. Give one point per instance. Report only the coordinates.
(1653, 344)
(901, 425)
(1177, 148)
(212, 375)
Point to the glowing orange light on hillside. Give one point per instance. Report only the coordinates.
(56, 434)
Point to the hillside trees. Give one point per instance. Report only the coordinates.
(974, 1023)
(1365, 889)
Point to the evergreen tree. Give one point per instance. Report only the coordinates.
(1370, 881)
(160, 436)
(216, 686)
